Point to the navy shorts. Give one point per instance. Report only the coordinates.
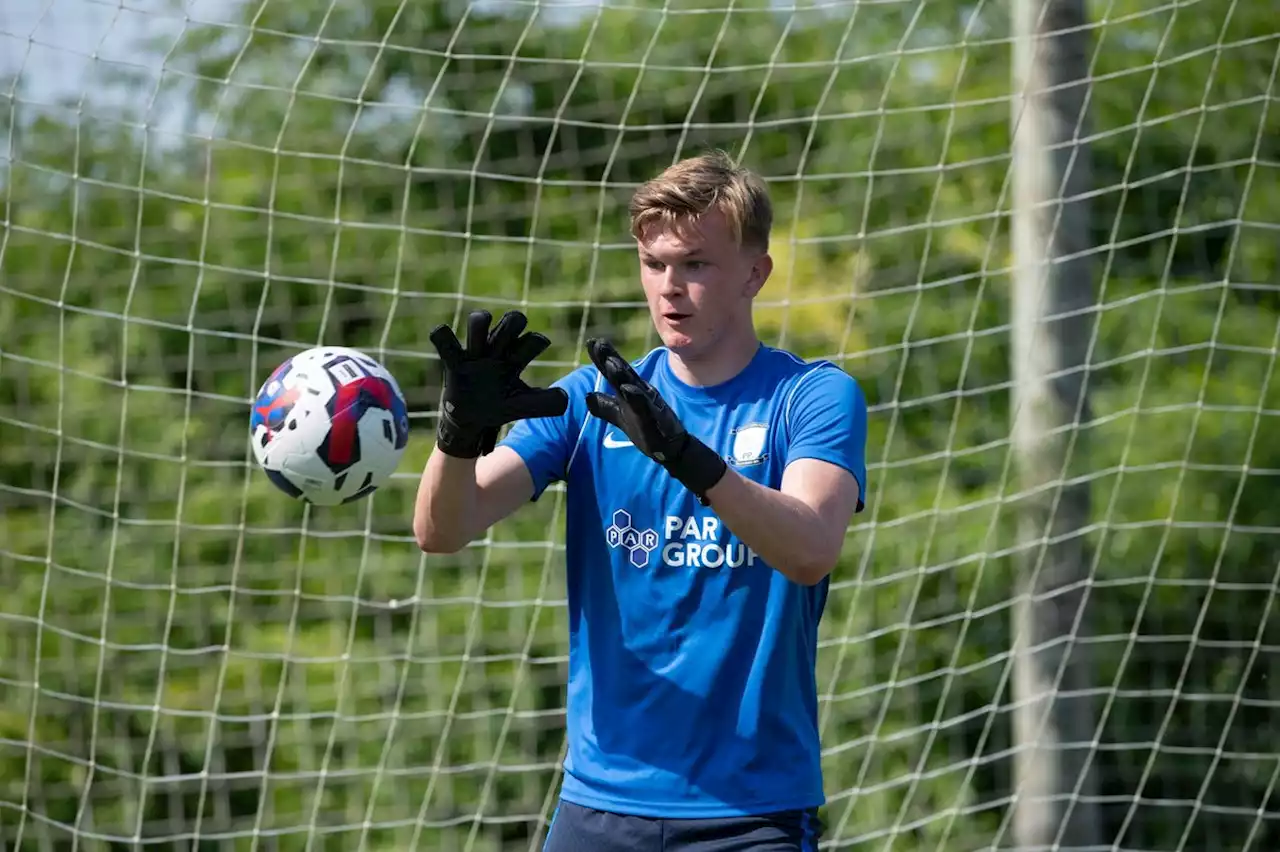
(575, 828)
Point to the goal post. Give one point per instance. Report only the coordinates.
(188, 659)
(1052, 318)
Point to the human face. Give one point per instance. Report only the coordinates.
(699, 285)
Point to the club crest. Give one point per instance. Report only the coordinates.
(748, 445)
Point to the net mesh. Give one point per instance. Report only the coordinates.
(192, 193)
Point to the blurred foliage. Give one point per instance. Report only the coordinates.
(189, 660)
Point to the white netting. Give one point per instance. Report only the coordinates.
(189, 660)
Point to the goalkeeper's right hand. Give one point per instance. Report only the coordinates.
(482, 386)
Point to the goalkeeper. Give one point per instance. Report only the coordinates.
(709, 488)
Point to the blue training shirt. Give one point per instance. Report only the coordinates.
(691, 688)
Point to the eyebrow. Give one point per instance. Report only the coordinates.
(684, 255)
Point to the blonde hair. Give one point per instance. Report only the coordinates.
(686, 191)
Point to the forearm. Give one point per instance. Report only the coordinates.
(783, 530)
(446, 503)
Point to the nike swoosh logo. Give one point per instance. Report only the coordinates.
(613, 443)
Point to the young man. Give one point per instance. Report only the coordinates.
(709, 486)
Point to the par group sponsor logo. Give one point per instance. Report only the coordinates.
(686, 542)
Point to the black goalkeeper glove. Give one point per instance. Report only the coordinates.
(643, 415)
(482, 386)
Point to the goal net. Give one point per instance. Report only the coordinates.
(190, 660)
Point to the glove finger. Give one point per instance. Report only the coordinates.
(488, 440)
(543, 402)
(610, 362)
(606, 407)
(478, 332)
(447, 345)
(599, 352)
(633, 396)
(506, 332)
(646, 401)
(524, 350)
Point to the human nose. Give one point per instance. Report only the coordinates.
(671, 284)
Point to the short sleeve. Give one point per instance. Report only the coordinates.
(826, 417)
(546, 444)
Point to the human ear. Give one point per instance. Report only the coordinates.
(761, 269)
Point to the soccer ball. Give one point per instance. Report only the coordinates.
(329, 425)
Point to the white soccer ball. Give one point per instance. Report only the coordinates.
(329, 425)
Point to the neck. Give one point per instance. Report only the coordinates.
(719, 364)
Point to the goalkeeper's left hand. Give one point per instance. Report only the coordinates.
(641, 413)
